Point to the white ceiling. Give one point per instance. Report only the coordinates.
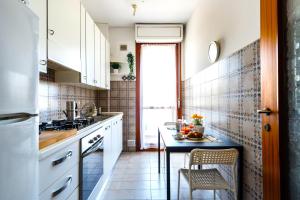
(119, 13)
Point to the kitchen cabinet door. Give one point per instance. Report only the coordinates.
(39, 7)
(64, 33)
(83, 45)
(115, 139)
(103, 62)
(108, 163)
(90, 49)
(120, 136)
(107, 60)
(98, 57)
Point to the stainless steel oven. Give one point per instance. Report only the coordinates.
(91, 166)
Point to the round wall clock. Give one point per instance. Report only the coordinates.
(213, 51)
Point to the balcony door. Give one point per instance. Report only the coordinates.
(158, 90)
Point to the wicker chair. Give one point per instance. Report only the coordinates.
(210, 179)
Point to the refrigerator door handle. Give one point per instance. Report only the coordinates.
(17, 116)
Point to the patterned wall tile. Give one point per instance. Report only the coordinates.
(53, 97)
(121, 98)
(228, 94)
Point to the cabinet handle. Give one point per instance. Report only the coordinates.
(43, 62)
(60, 190)
(62, 159)
(51, 32)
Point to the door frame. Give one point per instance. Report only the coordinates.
(273, 96)
(138, 87)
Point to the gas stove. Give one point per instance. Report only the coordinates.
(57, 125)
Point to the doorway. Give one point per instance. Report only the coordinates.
(158, 90)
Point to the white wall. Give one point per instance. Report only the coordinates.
(118, 36)
(104, 28)
(234, 23)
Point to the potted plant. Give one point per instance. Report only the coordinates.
(116, 66)
(130, 60)
(198, 123)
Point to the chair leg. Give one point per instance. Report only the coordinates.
(214, 194)
(184, 160)
(191, 193)
(178, 190)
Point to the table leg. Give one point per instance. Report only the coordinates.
(158, 133)
(168, 176)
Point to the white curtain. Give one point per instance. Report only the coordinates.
(158, 90)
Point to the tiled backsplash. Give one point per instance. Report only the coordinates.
(227, 93)
(121, 98)
(53, 97)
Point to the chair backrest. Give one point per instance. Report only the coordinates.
(169, 123)
(208, 156)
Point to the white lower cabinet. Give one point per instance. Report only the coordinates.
(74, 195)
(59, 173)
(108, 151)
(112, 144)
(117, 139)
(54, 166)
(64, 186)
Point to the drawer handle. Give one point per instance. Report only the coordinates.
(60, 160)
(60, 190)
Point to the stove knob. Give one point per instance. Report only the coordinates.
(91, 141)
(95, 138)
(98, 136)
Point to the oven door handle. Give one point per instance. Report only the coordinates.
(93, 148)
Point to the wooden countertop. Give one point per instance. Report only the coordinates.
(48, 138)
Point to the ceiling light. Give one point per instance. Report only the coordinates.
(134, 7)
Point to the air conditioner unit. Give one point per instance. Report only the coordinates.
(158, 33)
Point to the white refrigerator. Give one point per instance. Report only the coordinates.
(18, 102)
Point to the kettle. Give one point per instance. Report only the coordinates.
(71, 110)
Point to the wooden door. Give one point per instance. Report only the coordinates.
(272, 90)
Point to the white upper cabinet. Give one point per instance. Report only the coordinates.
(39, 7)
(103, 62)
(83, 45)
(107, 72)
(90, 49)
(64, 33)
(98, 61)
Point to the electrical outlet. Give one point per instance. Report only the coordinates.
(131, 143)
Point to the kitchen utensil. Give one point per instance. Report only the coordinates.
(70, 111)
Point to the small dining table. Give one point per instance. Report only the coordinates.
(166, 133)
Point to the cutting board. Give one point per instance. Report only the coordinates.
(48, 138)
